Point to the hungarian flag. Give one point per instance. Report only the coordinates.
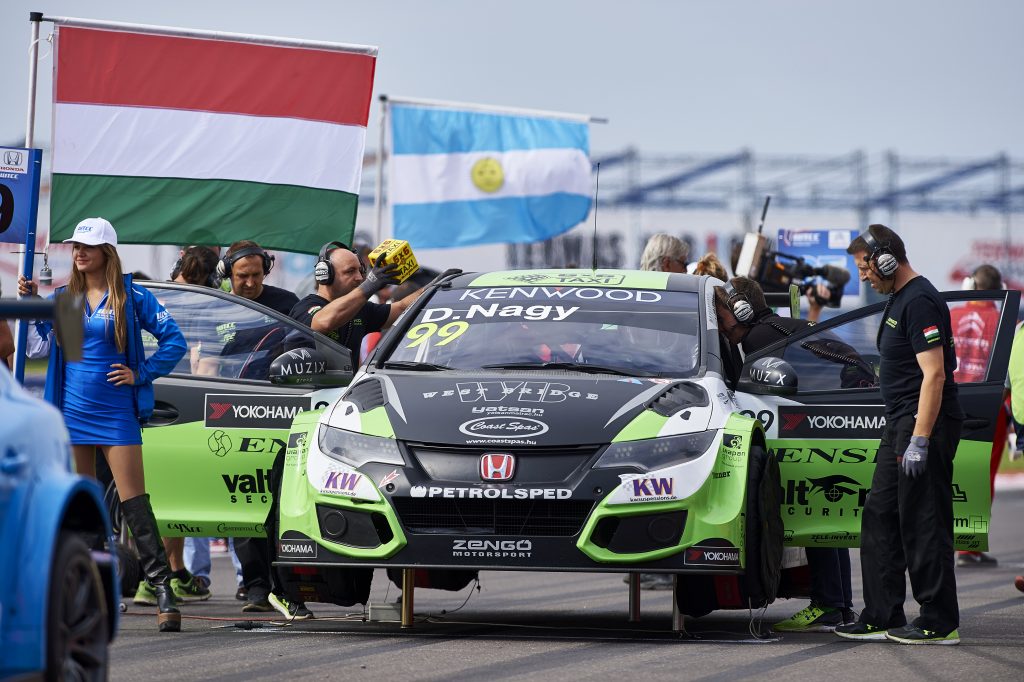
(185, 140)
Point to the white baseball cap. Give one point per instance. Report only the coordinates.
(93, 232)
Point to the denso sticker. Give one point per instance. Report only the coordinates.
(503, 427)
(831, 421)
(711, 556)
(233, 411)
(297, 549)
(491, 493)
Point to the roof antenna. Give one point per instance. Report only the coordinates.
(597, 186)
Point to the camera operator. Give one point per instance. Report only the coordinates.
(907, 522)
(748, 322)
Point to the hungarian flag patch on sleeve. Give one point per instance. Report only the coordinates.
(931, 334)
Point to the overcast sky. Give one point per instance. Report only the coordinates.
(922, 77)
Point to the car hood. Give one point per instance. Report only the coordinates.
(520, 408)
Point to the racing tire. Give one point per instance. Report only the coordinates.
(765, 531)
(77, 626)
(129, 568)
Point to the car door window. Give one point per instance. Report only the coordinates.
(225, 337)
(843, 357)
(974, 326)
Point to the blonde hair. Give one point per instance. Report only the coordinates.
(710, 265)
(661, 246)
(116, 294)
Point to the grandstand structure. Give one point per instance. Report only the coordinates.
(857, 181)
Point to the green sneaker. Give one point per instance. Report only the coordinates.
(145, 594)
(814, 618)
(189, 590)
(911, 634)
(290, 610)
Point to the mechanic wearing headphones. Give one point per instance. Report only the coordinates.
(746, 321)
(246, 265)
(907, 523)
(341, 307)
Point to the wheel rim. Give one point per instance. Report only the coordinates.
(82, 628)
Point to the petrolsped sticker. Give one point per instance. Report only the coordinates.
(492, 493)
(233, 411)
(831, 421)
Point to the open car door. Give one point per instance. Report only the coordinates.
(826, 435)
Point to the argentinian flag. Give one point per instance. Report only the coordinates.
(460, 177)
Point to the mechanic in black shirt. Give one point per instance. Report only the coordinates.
(746, 320)
(341, 307)
(246, 265)
(907, 524)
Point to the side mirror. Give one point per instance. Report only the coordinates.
(768, 376)
(307, 367)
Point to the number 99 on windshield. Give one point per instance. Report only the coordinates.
(448, 333)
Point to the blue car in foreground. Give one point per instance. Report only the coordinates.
(58, 580)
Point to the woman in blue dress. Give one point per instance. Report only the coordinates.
(108, 394)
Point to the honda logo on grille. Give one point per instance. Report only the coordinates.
(497, 467)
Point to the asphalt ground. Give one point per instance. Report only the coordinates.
(541, 625)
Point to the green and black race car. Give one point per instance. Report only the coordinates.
(552, 420)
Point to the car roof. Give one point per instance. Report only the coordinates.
(601, 278)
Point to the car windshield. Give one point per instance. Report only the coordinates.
(614, 330)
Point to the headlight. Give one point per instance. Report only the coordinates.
(355, 449)
(656, 453)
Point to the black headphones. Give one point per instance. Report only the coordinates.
(225, 263)
(739, 304)
(323, 271)
(880, 255)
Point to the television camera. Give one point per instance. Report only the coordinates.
(776, 271)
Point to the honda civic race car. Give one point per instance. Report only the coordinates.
(583, 421)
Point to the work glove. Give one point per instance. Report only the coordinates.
(378, 277)
(916, 456)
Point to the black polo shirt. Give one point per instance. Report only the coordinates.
(371, 318)
(915, 321)
(769, 328)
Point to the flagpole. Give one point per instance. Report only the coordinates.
(368, 50)
(378, 199)
(28, 249)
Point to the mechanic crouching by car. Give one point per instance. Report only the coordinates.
(746, 320)
(907, 523)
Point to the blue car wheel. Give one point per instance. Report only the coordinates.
(77, 627)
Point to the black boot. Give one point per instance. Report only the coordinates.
(138, 514)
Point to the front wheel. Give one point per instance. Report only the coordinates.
(77, 628)
(765, 531)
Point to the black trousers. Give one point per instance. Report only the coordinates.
(257, 555)
(908, 527)
(831, 583)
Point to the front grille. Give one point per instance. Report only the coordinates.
(541, 518)
(534, 465)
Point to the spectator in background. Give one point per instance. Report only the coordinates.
(664, 253)
(710, 265)
(974, 329)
